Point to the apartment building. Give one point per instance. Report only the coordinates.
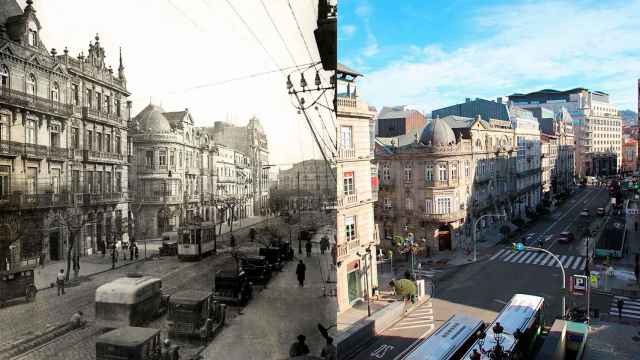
(63, 141)
(398, 120)
(357, 235)
(597, 126)
(308, 185)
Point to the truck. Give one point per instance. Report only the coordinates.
(612, 239)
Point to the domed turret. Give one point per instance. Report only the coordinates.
(151, 119)
(438, 132)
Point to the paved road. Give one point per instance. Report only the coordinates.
(48, 310)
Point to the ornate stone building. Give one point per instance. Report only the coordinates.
(309, 184)
(436, 181)
(63, 140)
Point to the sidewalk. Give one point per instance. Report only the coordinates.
(271, 321)
(45, 277)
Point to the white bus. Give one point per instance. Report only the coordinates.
(523, 314)
(451, 341)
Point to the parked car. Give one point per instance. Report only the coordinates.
(134, 343)
(529, 239)
(566, 237)
(600, 212)
(257, 269)
(584, 212)
(273, 257)
(194, 313)
(232, 287)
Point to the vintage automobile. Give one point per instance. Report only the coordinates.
(132, 343)
(195, 313)
(286, 252)
(129, 301)
(232, 287)
(169, 244)
(17, 282)
(257, 269)
(273, 257)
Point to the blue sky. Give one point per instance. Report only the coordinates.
(431, 54)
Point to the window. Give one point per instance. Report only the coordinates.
(163, 158)
(107, 182)
(99, 141)
(89, 140)
(89, 98)
(409, 204)
(454, 171)
(88, 181)
(444, 205)
(118, 107)
(107, 104)
(172, 158)
(428, 173)
(348, 185)
(32, 180)
(55, 181)
(4, 76)
(98, 101)
(107, 142)
(149, 159)
(75, 181)
(346, 140)
(521, 149)
(350, 228)
(5, 185)
(118, 145)
(55, 136)
(408, 173)
(4, 127)
(428, 206)
(31, 131)
(31, 84)
(33, 37)
(386, 172)
(55, 91)
(97, 182)
(442, 172)
(75, 90)
(75, 138)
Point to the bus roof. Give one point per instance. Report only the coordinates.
(127, 336)
(190, 296)
(125, 290)
(447, 339)
(519, 312)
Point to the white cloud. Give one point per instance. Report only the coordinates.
(363, 9)
(530, 44)
(348, 30)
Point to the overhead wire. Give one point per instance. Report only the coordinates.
(186, 16)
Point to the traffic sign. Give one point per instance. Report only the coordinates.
(578, 285)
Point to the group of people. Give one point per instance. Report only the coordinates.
(300, 348)
(132, 248)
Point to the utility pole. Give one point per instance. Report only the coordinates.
(299, 212)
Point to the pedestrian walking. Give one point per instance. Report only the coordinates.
(113, 257)
(125, 247)
(135, 250)
(133, 245)
(60, 282)
(300, 272)
(252, 234)
(232, 241)
(329, 351)
(308, 248)
(42, 258)
(620, 304)
(324, 244)
(299, 347)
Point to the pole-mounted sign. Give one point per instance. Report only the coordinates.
(578, 285)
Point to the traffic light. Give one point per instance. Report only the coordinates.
(517, 246)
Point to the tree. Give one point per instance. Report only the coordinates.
(13, 228)
(73, 221)
(228, 205)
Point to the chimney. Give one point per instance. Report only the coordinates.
(499, 100)
(467, 100)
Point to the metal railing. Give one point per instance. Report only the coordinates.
(93, 155)
(21, 98)
(441, 183)
(91, 113)
(36, 201)
(58, 152)
(450, 216)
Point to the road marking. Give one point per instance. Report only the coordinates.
(526, 255)
(510, 256)
(535, 255)
(540, 257)
(414, 326)
(517, 257)
(562, 257)
(500, 301)
(582, 263)
(426, 320)
(498, 254)
(567, 264)
(576, 217)
(380, 352)
(412, 346)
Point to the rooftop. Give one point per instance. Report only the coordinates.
(128, 336)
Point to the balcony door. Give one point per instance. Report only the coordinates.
(354, 287)
(444, 238)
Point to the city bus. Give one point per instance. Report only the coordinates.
(196, 241)
(451, 341)
(523, 315)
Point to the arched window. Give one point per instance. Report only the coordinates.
(55, 92)
(31, 84)
(4, 75)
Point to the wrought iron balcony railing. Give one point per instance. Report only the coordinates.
(23, 99)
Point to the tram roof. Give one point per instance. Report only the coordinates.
(127, 336)
(124, 290)
(447, 338)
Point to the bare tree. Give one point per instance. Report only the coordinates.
(13, 229)
(73, 221)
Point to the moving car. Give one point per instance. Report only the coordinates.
(584, 212)
(600, 211)
(566, 237)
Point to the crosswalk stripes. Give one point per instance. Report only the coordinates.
(569, 262)
(630, 308)
(421, 317)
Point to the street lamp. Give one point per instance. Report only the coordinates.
(475, 226)
(365, 256)
(587, 273)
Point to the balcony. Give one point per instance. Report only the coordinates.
(528, 172)
(102, 157)
(101, 116)
(348, 247)
(22, 99)
(35, 151)
(346, 154)
(346, 200)
(448, 217)
(158, 197)
(387, 187)
(195, 197)
(58, 153)
(88, 199)
(10, 148)
(19, 201)
(441, 183)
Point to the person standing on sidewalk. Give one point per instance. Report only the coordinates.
(299, 347)
(620, 304)
(300, 272)
(113, 257)
(60, 282)
(308, 248)
(324, 244)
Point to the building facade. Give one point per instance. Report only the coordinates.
(251, 140)
(630, 156)
(398, 120)
(63, 136)
(308, 185)
(596, 122)
(357, 236)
